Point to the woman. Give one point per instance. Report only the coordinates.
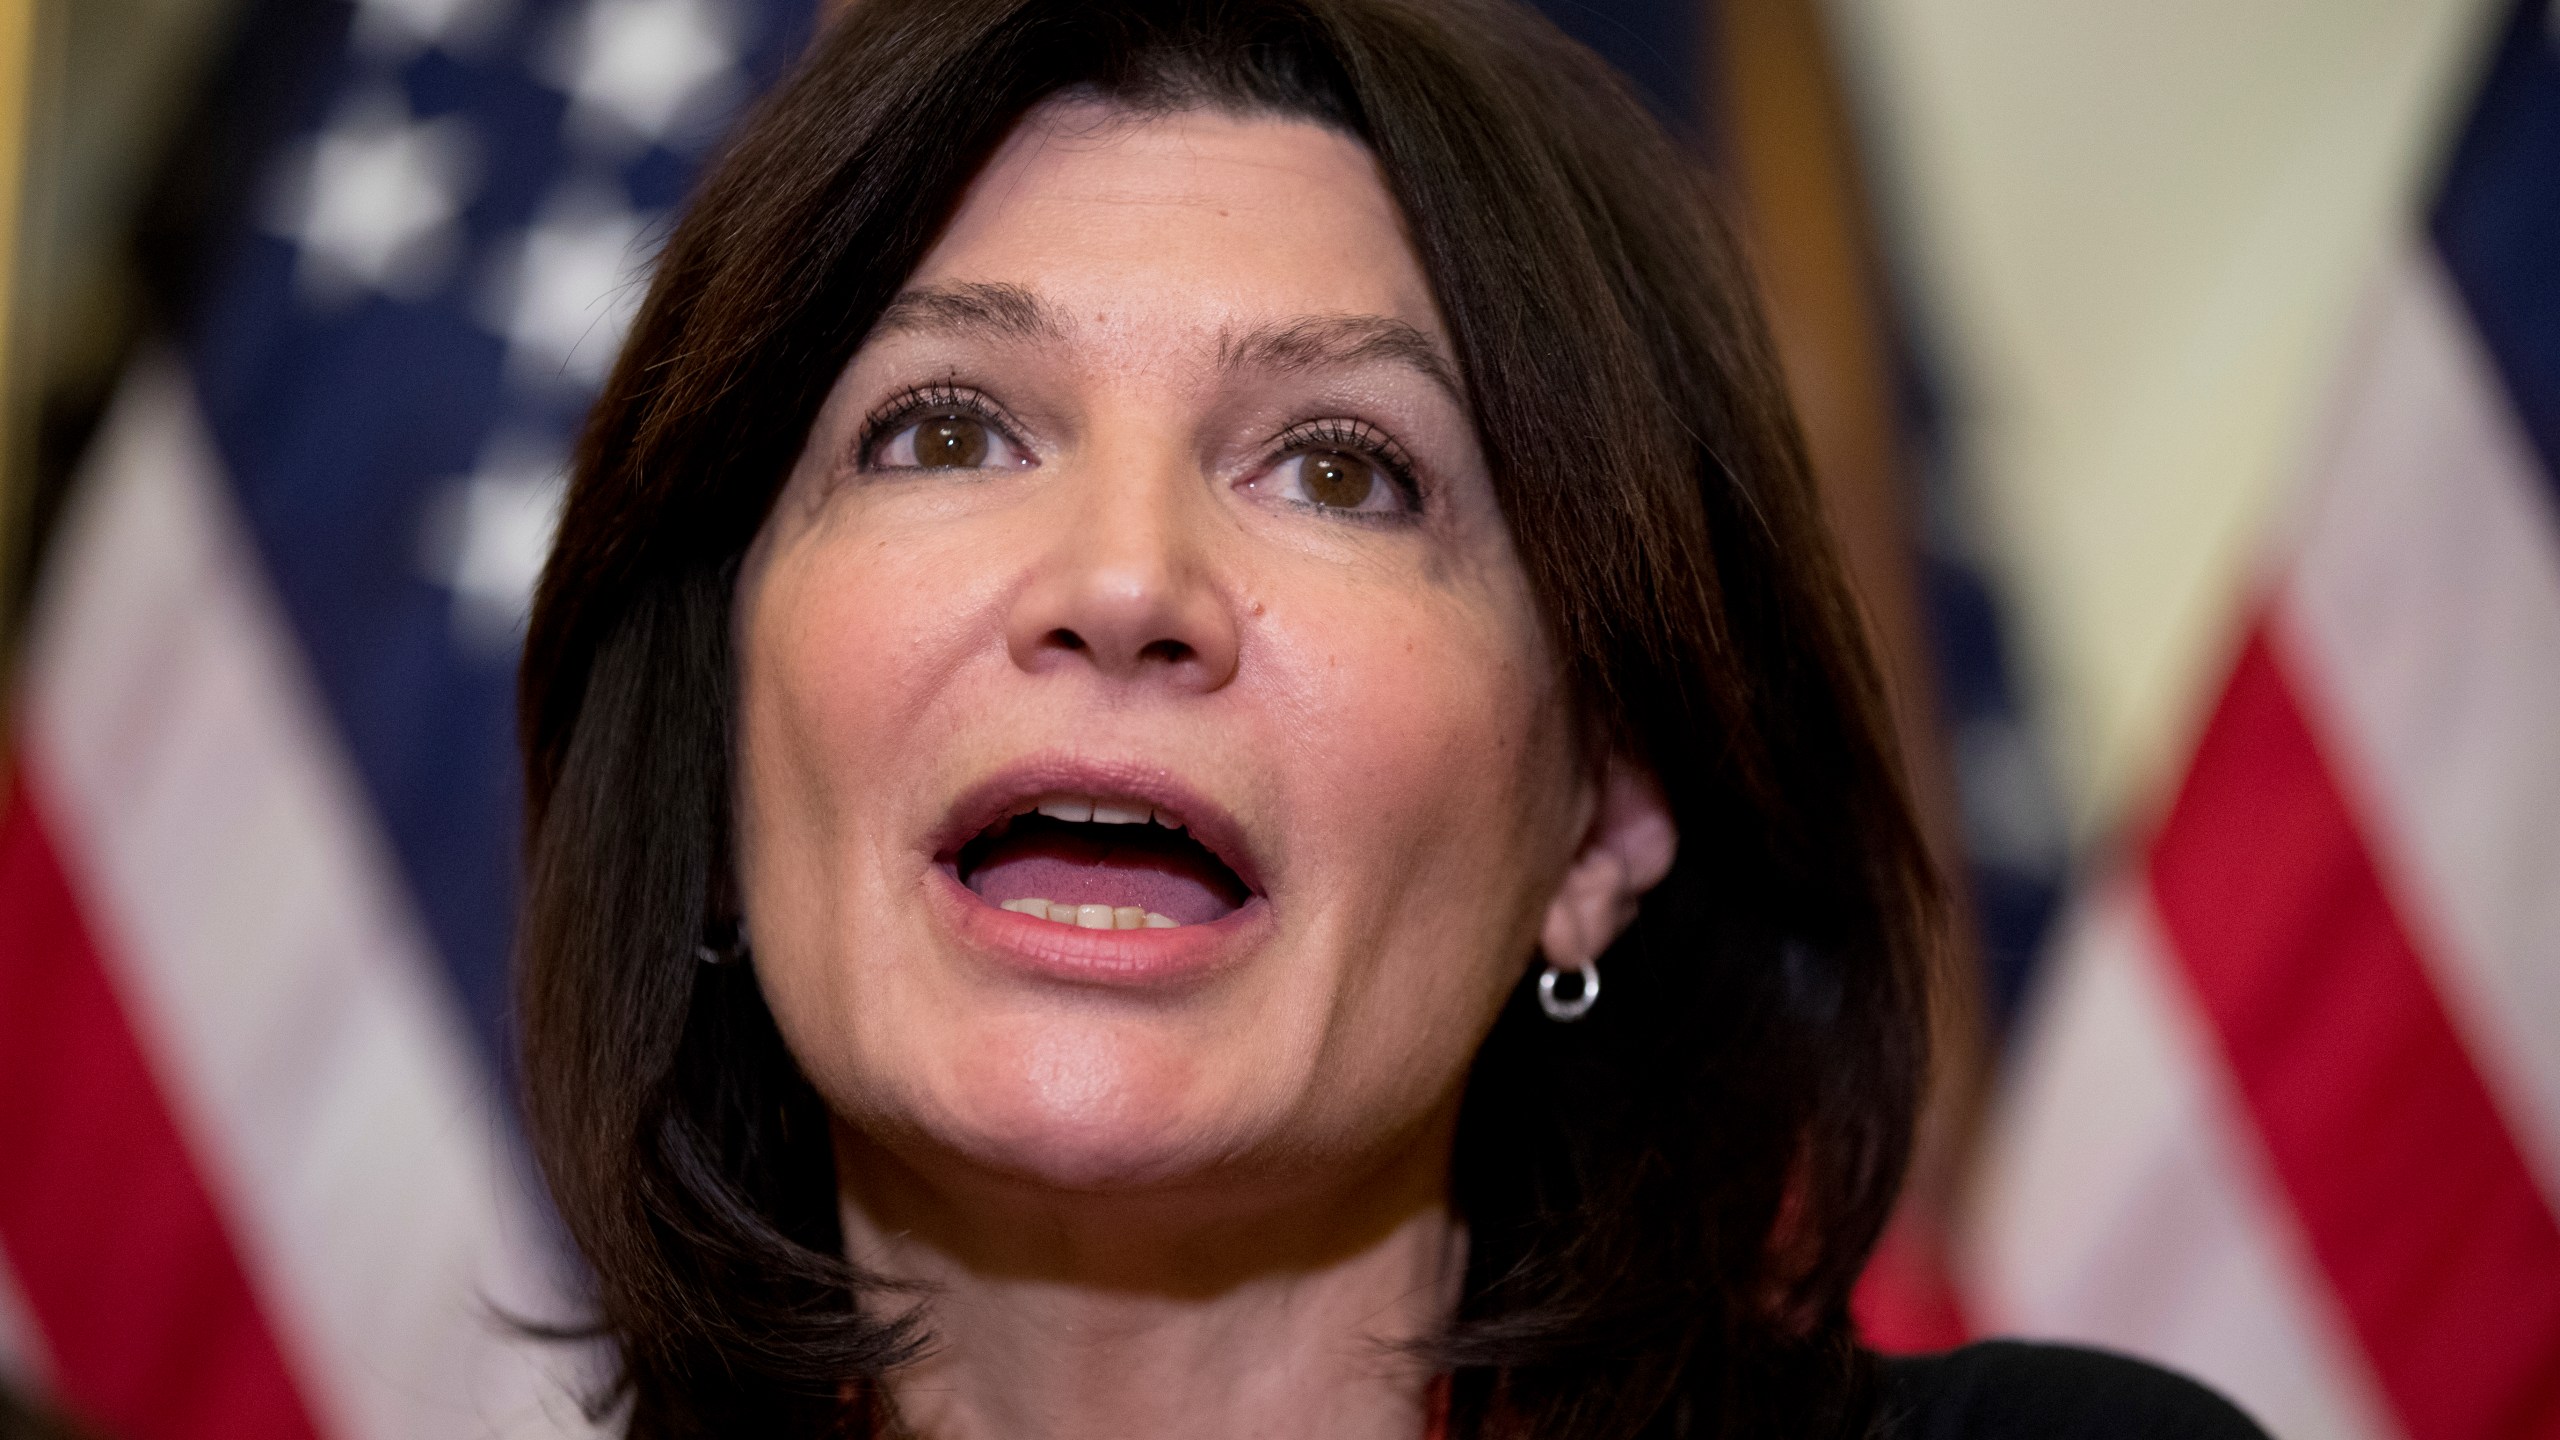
(1197, 767)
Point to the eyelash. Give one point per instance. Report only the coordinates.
(918, 401)
(1356, 437)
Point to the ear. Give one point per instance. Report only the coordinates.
(1626, 850)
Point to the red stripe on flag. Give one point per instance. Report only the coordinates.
(2412, 1194)
(1905, 1302)
(146, 1312)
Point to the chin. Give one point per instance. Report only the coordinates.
(1083, 1105)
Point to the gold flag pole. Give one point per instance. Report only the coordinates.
(1794, 161)
(17, 71)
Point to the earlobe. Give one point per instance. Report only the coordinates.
(1626, 850)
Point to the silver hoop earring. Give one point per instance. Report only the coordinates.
(1566, 1008)
(718, 948)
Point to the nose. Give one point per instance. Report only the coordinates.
(1127, 582)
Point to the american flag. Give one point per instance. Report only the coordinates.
(2287, 1112)
(2284, 1110)
(257, 1175)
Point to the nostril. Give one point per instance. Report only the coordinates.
(1153, 633)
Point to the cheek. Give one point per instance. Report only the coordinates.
(846, 647)
(1434, 758)
(1434, 722)
(850, 635)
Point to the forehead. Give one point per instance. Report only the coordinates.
(1184, 223)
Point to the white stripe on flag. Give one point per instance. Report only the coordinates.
(2424, 611)
(2123, 1203)
(267, 957)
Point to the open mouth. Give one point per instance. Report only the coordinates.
(1100, 864)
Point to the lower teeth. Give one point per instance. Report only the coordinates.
(1092, 917)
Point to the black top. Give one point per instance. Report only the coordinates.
(2006, 1390)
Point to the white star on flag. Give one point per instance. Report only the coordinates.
(403, 27)
(373, 201)
(487, 534)
(644, 70)
(565, 292)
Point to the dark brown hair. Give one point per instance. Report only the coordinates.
(1667, 1203)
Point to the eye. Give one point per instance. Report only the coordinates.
(1335, 480)
(945, 431)
(1342, 468)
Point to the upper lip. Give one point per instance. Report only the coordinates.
(1020, 785)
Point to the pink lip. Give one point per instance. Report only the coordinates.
(1130, 958)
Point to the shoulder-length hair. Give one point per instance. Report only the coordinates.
(1666, 1203)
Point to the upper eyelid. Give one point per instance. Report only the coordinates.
(1359, 431)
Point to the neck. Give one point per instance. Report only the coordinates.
(1081, 1317)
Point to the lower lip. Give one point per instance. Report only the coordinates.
(1128, 959)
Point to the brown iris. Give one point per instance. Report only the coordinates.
(953, 440)
(1336, 479)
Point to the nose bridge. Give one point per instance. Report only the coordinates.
(1131, 509)
(1128, 583)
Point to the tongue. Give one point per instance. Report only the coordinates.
(1184, 884)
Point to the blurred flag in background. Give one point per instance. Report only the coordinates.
(2281, 1106)
(2289, 1115)
(256, 1175)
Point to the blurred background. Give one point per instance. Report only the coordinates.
(2183, 379)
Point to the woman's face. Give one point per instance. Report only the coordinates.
(1151, 764)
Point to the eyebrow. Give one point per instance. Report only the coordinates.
(1312, 342)
(1006, 311)
(1323, 341)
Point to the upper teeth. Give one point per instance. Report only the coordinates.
(1104, 812)
(1092, 917)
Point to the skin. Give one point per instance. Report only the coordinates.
(1216, 1205)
